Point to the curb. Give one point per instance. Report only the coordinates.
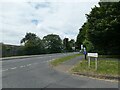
(99, 76)
(18, 57)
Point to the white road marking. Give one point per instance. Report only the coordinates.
(22, 66)
(14, 68)
(35, 63)
(51, 60)
(5, 70)
(29, 65)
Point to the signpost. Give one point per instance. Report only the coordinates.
(81, 47)
(73, 48)
(95, 55)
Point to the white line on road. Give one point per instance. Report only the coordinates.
(50, 60)
(29, 65)
(5, 70)
(22, 66)
(14, 68)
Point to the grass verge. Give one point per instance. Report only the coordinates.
(63, 59)
(106, 67)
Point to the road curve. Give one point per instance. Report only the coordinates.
(35, 72)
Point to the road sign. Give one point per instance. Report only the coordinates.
(92, 55)
(95, 55)
(81, 47)
(73, 48)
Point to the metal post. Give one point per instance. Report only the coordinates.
(89, 62)
(95, 63)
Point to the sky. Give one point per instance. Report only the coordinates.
(42, 17)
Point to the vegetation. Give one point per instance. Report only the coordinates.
(106, 66)
(101, 31)
(10, 50)
(68, 44)
(33, 45)
(52, 43)
(63, 59)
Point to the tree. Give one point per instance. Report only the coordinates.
(101, 31)
(72, 44)
(52, 43)
(81, 36)
(68, 44)
(32, 44)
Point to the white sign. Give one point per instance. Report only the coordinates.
(81, 47)
(92, 54)
(73, 48)
(95, 55)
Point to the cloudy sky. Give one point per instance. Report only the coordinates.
(42, 17)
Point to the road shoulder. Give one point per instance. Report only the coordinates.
(67, 65)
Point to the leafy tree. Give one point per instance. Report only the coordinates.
(101, 31)
(68, 44)
(52, 43)
(81, 36)
(32, 44)
(72, 42)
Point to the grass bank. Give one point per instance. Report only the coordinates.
(106, 67)
(63, 59)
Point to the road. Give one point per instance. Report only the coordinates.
(35, 72)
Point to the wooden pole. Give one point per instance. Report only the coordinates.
(89, 62)
(95, 63)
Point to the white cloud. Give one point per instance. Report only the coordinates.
(42, 18)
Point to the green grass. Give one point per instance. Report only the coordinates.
(63, 59)
(105, 67)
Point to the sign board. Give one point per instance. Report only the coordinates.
(73, 48)
(92, 54)
(95, 55)
(81, 47)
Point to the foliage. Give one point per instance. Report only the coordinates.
(68, 44)
(88, 44)
(32, 44)
(10, 50)
(102, 28)
(52, 43)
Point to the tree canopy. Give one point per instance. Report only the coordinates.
(52, 43)
(33, 44)
(101, 31)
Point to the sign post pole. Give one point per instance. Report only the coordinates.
(95, 63)
(89, 62)
(95, 55)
